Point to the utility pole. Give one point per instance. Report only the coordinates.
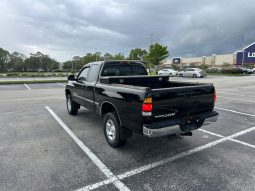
(243, 58)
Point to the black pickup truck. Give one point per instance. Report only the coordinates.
(131, 101)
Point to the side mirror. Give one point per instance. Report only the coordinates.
(71, 78)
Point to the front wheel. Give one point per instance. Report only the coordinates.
(180, 75)
(112, 130)
(72, 107)
(194, 76)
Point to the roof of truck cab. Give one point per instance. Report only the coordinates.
(115, 62)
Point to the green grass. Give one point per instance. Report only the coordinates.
(31, 81)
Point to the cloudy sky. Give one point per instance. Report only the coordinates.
(65, 28)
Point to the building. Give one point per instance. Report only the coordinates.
(239, 58)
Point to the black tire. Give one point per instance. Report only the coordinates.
(111, 121)
(170, 74)
(180, 75)
(72, 107)
(194, 76)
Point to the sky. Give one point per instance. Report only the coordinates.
(67, 28)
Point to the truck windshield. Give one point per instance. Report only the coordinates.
(123, 70)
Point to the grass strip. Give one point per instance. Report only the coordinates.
(32, 81)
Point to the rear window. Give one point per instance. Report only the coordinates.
(123, 70)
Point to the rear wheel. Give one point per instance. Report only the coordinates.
(112, 130)
(180, 75)
(194, 76)
(72, 107)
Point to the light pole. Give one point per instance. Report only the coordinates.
(243, 58)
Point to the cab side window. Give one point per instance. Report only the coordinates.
(83, 75)
(93, 74)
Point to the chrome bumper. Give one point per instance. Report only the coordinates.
(162, 131)
(171, 130)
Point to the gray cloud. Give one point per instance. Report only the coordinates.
(64, 28)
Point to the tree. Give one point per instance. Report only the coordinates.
(137, 54)
(108, 56)
(119, 56)
(17, 61)
(41, 61)
(157, 53)
(67, 65)
(4, 59)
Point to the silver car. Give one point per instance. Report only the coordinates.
(193, 72)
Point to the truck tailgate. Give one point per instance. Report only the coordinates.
(182, 101)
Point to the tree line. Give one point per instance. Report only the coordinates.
(17, 62)
(41, 62)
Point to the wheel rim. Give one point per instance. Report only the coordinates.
(110, 129)
(69, 105)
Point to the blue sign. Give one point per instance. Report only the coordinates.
(176, 60)
(247, 56)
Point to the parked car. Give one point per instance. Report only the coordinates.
(246, 70)
(193, 72)
(167, 72)
(130, 101)
(57, 70)
(214, 69)
(40, 70)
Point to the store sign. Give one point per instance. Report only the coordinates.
(251, 55)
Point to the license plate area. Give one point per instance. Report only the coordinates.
(189, 123)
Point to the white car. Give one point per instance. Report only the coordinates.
(193, 72)
(167, 72)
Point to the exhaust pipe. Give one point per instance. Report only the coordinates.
(186, 134)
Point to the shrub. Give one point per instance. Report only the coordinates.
(203, 66)
(12, 74)
(232, 71)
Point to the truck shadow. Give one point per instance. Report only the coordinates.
(138, 150)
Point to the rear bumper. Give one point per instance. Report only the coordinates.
(169, 127)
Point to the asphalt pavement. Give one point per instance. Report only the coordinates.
(42, 147)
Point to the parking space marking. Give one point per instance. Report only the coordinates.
(234, 91)
(7, 112)
(234, 140)
(170, 159)
(233, 94)
(60, 84)
(121, 186)
(27, 87)
(236, 99)
(233, 111)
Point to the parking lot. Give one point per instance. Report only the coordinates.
(42, 147)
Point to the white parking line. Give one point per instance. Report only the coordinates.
(60, 84)
(170, 159)
(27, 87)
(7, 112)
(233, 111)
(234, 140)
(236, 99)
(234, 91)
(90, 154)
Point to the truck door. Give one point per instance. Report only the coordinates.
(91, 82)
(80, 86)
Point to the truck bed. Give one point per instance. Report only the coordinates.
(171, 99)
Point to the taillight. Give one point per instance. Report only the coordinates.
(147, 107)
